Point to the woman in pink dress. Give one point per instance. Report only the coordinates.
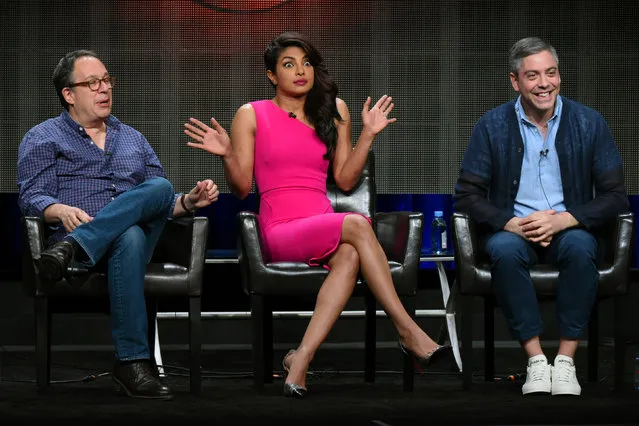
(289, 143)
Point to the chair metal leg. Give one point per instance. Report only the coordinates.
(370, 338)
(621, 308)
(489, 339)
(593, 343)
(195, 343)
(267, 321)
(151, 316)
(409, 372)
(466, 303)
(257, 318)
(452, 326)
(262, 321)
(43, 343)
(157, 351)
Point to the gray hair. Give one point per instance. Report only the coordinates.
(526, 47)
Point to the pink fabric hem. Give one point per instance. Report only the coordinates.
(320, 261)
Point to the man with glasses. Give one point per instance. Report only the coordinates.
(101, 189)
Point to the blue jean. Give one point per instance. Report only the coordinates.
(126, 231)
(573, 251)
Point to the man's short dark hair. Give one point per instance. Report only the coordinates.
(62, 74)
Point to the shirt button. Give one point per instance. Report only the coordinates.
(112, 198)
(515, 182)
(519, 150)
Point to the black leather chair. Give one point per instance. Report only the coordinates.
(473, 279)
(400, 235)
(176, 269)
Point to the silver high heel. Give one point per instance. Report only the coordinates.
(424, 362)
(292, 390)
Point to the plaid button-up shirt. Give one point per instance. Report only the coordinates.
(59, 163)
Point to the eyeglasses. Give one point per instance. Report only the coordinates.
(94, 83)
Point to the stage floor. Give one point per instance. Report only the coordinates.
(337, 394)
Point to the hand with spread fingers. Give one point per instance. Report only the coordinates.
(213, 139)
(375, 119)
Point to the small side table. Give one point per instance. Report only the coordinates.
(448, 303)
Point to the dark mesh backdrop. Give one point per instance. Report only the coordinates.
(444, 62)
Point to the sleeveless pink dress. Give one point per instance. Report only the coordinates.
(297, 222)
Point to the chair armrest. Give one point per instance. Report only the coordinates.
(33, 236)
(400, 235)
(625, 238)
(182, 242)
(466, 248)
(32, 247)
(465, 242)
(249, 246)
(618, 245)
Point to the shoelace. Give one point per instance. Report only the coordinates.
(563, 372)
(538, 372)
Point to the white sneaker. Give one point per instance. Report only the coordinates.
(537, 376)
(564, 377)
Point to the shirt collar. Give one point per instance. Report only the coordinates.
(524, 119)
(112, 122)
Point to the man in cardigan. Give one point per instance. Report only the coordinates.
(539, 173)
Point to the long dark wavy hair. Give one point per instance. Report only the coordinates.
(320, 107)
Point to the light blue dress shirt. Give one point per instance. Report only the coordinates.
(540, 185)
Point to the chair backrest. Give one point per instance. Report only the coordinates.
(362, 198)
(359, 200)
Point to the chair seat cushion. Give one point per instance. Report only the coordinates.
(161, 279)
(296, 278)
(287, 278)
(544, 279)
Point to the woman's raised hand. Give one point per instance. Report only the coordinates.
(375, 119)
(212, 139)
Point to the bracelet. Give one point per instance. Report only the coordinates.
(184, 204)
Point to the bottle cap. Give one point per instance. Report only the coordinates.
(439, 213)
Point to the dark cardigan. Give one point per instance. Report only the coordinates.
(590, 164)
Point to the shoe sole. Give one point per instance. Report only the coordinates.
(121, 389)
(565, 393)
(536, 393)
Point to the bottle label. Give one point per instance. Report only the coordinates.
(444, 241)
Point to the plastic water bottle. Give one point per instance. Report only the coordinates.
(439, 240)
